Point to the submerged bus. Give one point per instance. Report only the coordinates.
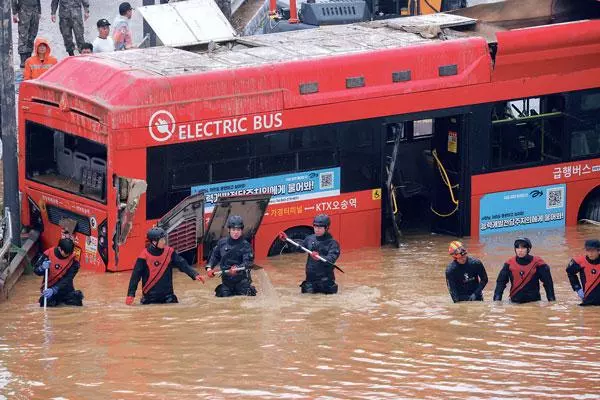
(428, 119)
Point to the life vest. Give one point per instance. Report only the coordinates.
(522, 274)
(58, 266)
(157, 266)
(591, 272)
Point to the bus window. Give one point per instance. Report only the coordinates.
(590, 101)
(65, 162)
(175, 169)
(277, 164)
(230, 170)
(272, 143)
(360, 155)
(189, 175)
(585, 142)
(527, 131)
(585, 129)
(317, 159)
(423, 128)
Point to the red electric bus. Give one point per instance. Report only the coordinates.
(423, 119)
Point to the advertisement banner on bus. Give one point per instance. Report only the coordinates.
(284, 188)
(539, 207)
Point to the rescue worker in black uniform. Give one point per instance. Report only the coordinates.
(466, 276)
(588, 268)
(525, 273)
(62, 266)
(233, 256)
(320, 277)
(154, 266)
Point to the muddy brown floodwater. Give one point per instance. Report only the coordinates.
(392, 332)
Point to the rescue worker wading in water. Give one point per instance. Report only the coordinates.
(466, 276)
(319, 275)
(588, 267)
(233, 256)
(62, 267)
(525, 273)
(154, 266)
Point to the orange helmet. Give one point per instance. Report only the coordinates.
(456, 248)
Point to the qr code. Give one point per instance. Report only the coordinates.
(326, 180)
(555, 198)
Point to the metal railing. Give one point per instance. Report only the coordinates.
(6, 235)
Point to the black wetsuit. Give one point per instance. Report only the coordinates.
(162, 291)
(229, 253)
(531, 290)
(593, 298)
(66, 291)
(466, 279)
(320, 277)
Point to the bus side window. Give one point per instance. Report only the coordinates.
(585, 129)
(527, 131)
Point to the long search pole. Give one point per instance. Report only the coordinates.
(8, 120)
(284, 238)
(45, 287)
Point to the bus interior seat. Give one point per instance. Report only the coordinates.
(92, 181)
(408, 188)
(80, 161)
(98, 164)
(411, 174)
(65, 162)
(579, 143)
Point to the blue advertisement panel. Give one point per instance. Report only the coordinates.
(540, 207)
(284, 188)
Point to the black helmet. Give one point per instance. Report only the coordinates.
(66, 245)
(155, 234)
(592, 244)
(235, 221)
(322, 220)
(523, 240)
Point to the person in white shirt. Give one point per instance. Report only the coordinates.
(103, 43)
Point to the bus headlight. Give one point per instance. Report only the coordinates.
(35, 216)
(103, 242)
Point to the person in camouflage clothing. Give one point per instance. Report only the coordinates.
(71, 22)
(26, 13)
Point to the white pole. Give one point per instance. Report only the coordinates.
(45, 287)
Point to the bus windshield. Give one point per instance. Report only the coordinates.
(66, 162)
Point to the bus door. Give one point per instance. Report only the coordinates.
(407, 177)
(129, 191)
(251, 208)
(184, 225)
(448, 156)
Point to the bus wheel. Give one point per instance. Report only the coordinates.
(297, 234)
(590, 208)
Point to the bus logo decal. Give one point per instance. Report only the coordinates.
(162, 125)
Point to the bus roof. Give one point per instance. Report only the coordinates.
(296, 45)
(250, 51)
